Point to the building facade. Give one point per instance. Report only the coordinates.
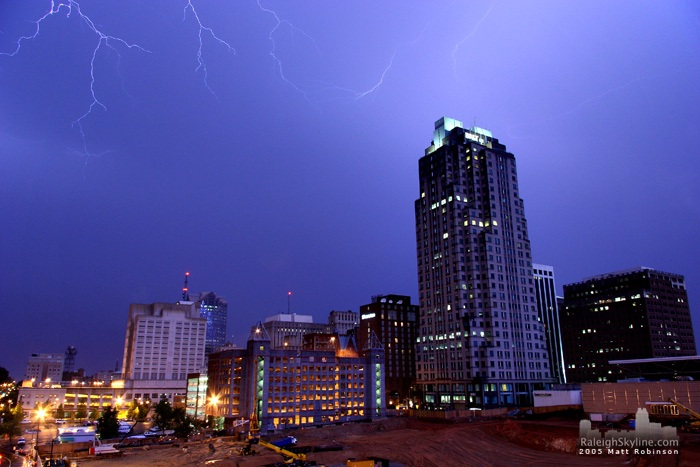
(276, 388)
(394, 320)
(197, 389)
(164, 342)
(215, 310)
(548, 310)
(287, 330)
(630, 314)
(480, 341)
(343, 322)
(43, 366)
(72, 396)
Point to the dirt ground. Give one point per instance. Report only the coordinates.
(414, 443)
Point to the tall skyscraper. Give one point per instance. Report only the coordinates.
(480, 340)
(548, 309)
(215, 310)
(630, 314)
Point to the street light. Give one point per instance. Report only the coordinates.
(40, 414)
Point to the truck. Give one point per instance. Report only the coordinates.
(104, 450)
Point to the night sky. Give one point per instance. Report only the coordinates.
(288, 160)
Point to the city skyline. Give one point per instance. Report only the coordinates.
(260, 180)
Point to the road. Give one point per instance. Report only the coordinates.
(49, 431)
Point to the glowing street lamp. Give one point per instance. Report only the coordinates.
(40, 414)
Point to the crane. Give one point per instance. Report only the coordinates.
(290, 458)
(694, 424)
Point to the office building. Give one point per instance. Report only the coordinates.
(287, 330)
(196, 401)
(481, 343)
(393, 320)
(548, 311)
(215, 310)
(43, 366)
(281, 388)
(343, 322)
(164, 342)
(631, 314)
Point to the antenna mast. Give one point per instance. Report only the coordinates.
(289, 302)
(185, 295)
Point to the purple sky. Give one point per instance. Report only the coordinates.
(298, 170)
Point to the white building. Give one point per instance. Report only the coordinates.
(164, 342)
(343, 321)
(43, 366)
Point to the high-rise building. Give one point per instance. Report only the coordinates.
(480, 341)
(631, 314)
(394, 321)
(43, 366)
(215, 310)
(164, 342)
(548, 310)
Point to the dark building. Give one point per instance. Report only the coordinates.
(394, 320)
(215, 310)
(631, 314)
(548, 309)
(481, 341)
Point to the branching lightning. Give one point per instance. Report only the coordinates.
(201, 64)
(588, 100)
(273, 53)
(454, 51)
(103, 39)
(347, 92)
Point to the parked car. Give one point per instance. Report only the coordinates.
(21, 442)
(26, 420)
(60, 422)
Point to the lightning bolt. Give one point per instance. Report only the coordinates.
(201, 64)
(588, 100)
(347, 93)
(273, 54)
(103, 40)
(454, 51)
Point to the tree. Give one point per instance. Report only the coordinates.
(81, 413)
(59, 413)
(10, 422)
(183, 424)
(4, 376)
(137, 411)
(164, 416)
(94, 414)
(108, 425)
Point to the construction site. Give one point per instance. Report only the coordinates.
(404, 441)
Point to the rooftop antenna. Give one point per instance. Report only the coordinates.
(185, 295)
(289, 302)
